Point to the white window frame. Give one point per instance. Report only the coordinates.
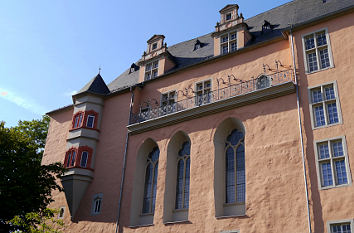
(331, 159)
(96, 197)
(165, 105)
(93, 121)
(152, 70)
(324, 102)
(203, 91)
(228, 42)
(316, 50)
(350, 221)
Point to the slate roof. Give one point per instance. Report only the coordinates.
(95, 86)
(294, 13)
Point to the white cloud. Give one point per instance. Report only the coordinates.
(22, 102)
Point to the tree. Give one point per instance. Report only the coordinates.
(25, 184)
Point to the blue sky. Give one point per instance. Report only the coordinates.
(50, 49)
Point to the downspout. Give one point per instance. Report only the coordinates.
(124, 159)
(300, 130)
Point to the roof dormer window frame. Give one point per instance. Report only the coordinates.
(153, 46)
(228, 16)
(151, 70)
(228, 42)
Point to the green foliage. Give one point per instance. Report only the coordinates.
(46, 221)
(25, 184)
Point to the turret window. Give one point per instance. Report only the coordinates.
(77, 123)
(84, 156)
(90, 121)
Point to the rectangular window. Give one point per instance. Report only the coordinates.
(84, 156)
(168, 102)
(345, 226)
(151, 70)
(324, 105)
(203, 93)
(332, 163)
(228, 42)
(78, 120)
(90, 121)
(317, 51)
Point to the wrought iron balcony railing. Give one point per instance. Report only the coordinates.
(242, 88)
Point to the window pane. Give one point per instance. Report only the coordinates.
(341, 228)
(233, 36)
(186, 185)
(84, 156)
(179, 186)
(326, 172)
(340, 172)
(73, 158)
(240, 173)
(148, 67)
(324, 58)
(309, 42)
(319, 116)
(316, 96)
(233, 46)
(154, 187)
(235, 137)
(147, 76)
(337, 149)
(154, 74)
(332, 113)
(69, 160)
(312, 61)
(323, 151)
(90, 121)
(224, 49)
(147, 189)
(230, 176)
(321, 38)
(224, 39)
(329, 90)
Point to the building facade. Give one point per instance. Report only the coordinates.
(245, 129)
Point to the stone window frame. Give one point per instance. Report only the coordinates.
(97, 198)
(183, 158)
(330, 223)
(229, 42)
(318, 161)
(79, 116)
(317, 49)
(148, 73)
(324, 102)
(231, 231)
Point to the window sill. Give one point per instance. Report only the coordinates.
(326, 126)
(231, 216)
(233, 204)
(335, 186)
(180, 210)
(178, 222)
(316, 71)
(83, 127)
(146, 214)
(143, 225)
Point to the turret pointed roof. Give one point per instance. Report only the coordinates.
(95, 86)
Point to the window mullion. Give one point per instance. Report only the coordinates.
(334, 183)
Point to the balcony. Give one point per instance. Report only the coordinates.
(246, 92)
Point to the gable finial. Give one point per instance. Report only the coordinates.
(99, 70)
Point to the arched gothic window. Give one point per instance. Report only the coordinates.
(235, 168)
(183, 175)
(150, 181)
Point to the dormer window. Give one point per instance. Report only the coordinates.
(228, 16)
(151, 70)
(154, 46)
(228, 42)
